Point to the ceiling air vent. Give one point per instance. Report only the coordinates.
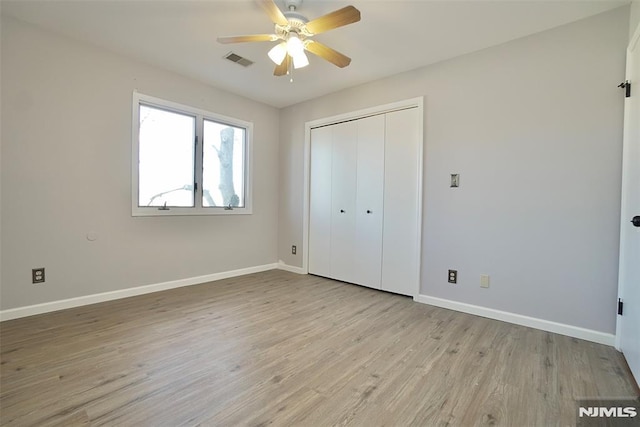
(238, 59)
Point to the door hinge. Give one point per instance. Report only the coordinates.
(195, 186)
(626, 85)
(620, 306)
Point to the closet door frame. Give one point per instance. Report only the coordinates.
(359, 114)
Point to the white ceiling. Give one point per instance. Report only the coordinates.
(393, 36)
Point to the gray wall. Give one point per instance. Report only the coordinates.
(634, 17)
(66, 171)
(534, 127)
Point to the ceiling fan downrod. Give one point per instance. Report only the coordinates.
(292, 5)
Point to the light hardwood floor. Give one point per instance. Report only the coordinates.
(276, 348)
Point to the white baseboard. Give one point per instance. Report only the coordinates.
(47, 307)
(292, 269)
(518, 319)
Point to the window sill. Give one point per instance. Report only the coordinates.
(141, 212)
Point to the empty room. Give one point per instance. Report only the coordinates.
(319, 213)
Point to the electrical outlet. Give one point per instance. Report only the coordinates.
(37, 275)
(294, 250)
(484, 280)
(453, 276)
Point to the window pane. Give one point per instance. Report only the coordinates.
(223, 165)
(166, 158)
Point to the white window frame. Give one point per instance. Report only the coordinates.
(200, 116)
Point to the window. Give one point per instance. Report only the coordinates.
(188, 161)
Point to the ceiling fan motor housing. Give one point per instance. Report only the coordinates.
(296, 17)
(296, 20)
(296, 24)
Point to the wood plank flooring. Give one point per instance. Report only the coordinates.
(276, 348)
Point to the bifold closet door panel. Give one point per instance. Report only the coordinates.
(320, 201)
(343, 201)
(401, 184)
(369, 201)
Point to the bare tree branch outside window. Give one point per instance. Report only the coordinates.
(225, 156)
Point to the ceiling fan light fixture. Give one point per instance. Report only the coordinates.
(278, 53)
(295, 49)
(300, 60)
(294, 45)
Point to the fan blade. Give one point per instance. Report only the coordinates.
(251, 38)
(345, 16)
(274, 12)
(325, 52)
(283, 68)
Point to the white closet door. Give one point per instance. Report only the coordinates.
(369, 201)
(401, 226)
(320, 201)
(343, 201)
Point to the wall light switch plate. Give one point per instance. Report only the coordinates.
(455, 180)
(484, 280)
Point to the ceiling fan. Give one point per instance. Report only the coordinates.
(295, 32)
